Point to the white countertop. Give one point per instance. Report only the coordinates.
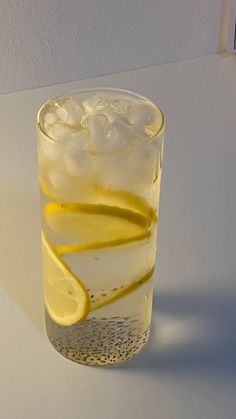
(188, 370)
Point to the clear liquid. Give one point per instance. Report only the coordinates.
(117, 331)
(109, 336)
(130, 180)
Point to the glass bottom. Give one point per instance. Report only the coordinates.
(98, 342)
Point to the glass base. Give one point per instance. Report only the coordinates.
(98, 341)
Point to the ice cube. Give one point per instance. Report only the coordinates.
(76, 156)
(81, 164)
(142, 114)
(98, 105)
(94, 104)
(119, 134)
(59, 180)
(60, 132)
(81, 137)
(61, 113)
(52, 147)
(131, 170)
(69, 111)
(49, 149)
(49, 119)
(97, 126)
(74, 162)
(120, 105)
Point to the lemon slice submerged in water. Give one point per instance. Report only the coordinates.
(79, 227)
(66, 298)
(121, 292)
(92, 226)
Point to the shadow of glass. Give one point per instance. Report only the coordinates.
(21, 268)
(193, 333)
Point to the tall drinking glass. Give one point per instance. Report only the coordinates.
(100, 157)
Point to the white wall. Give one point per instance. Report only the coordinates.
(50, 41)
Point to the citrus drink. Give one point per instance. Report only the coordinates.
(100, 161)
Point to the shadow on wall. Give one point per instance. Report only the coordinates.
(194, 333)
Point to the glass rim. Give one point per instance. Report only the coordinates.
(153, 137)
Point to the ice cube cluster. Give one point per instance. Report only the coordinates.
(108, 123)
(81, 135)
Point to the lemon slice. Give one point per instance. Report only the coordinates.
(100, 194)
(63, 249)
(66, 298)
(113, 296)
(77, 227)
(81, 226)
(121, 197)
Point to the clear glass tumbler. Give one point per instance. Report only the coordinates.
(100, 154)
